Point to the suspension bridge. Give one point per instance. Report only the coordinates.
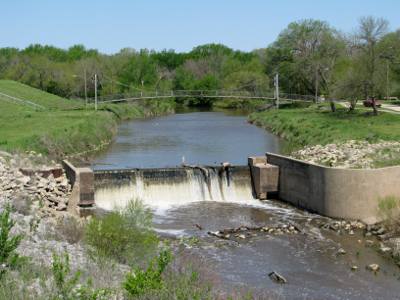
(202, 94)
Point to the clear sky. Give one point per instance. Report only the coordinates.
(173, 24)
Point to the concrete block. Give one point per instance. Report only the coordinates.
(253, 160)
(265, 177)
(82, 181)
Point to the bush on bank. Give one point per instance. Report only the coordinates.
(124, 236)
(152, 275)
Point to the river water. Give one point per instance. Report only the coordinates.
(196, 203)
(206, 138)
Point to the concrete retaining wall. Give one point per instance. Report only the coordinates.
(82, 182)
(334, 192)
(264, 177)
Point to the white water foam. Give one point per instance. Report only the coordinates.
(161, 194)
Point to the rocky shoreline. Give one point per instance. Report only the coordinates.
(38, 193)
(351, 154)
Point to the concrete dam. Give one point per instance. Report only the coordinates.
(167, 187)
(332, 192)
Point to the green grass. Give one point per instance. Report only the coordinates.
(25, 92)
(317, 125)
(65, 127)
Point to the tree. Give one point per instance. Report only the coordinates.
(305, 55)
(370, 32)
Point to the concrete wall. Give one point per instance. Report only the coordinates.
(82, 182)
(334, 192)
(264, 177)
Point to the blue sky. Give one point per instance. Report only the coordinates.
(173, 24)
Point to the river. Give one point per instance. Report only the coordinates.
(309, 259)
(205, 138)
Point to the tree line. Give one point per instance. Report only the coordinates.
(310, 56)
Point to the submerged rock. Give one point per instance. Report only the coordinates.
(278, 278)
(373, 267)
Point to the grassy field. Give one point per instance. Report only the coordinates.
(317, 125)
(64, 127)
(37, 96)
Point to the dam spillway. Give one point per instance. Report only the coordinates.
(168, 187)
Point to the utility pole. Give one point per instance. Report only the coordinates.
(316, 85)
(84, 77)
(276, 84)
(95, 91)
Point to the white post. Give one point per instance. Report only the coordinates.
(276, 83)
(95, 91)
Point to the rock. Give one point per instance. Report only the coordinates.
(278, 278)
(351, 232)
(380, 231)
(394, 243)
(373, 267)
(369, 243)
(384, 249)
(354, 268)
(241, 236)
(61, 207)
(341, 251)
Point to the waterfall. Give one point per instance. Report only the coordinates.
(165, 188)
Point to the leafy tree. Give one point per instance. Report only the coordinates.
(370, 32)
(305, 55)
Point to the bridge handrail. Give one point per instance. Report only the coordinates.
(22, 101)
(234, 94)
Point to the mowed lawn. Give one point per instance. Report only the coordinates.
(63, 127)
(317, 125)
(22, 128)
(25, 92)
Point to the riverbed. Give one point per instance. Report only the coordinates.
(311, 260)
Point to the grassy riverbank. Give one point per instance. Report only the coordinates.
(317, 125)
(64, 126)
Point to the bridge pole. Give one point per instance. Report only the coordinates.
(276, 84)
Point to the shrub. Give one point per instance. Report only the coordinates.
(389, 209)
(123, 235)
(67, 283)
(141, 281)
(9, 259)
